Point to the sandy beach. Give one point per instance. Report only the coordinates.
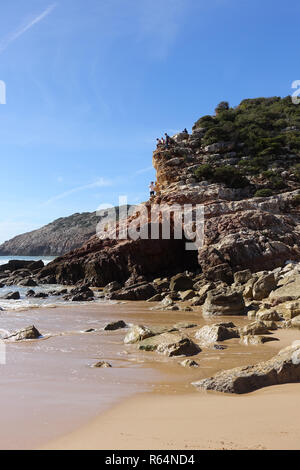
(176, 416)
(146, 400)
(266, 419)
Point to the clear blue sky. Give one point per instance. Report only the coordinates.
(92, 83)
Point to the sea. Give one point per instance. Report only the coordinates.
(46, 259)
(25, 303)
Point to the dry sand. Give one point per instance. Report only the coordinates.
(266, 419)
(179, 417)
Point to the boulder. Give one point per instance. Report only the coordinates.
(80, 294)
(281, 369)
(189, 363)
(202, 294)
(102, 365)
(219, 347)
(137, 333)
(116, 325)
(248, 289)
(290, 289)
(295, 322)
(181, 282)
(161, 284)
(255, 328)
(12, 296)
(256, 339)
(184, 325)
(242, 277)
(223, 302)
(140, 292)
(29, 282)
(173, 308)
(218, 332)
(289, 310)
(41, 295)
(165, 303)
(268, 315)
(112, 286)
(221, 272)
(263, 286)
(170, 344)
(26, 333)
(155, 298)
(30, 293)
(187, 295)
(271, 325)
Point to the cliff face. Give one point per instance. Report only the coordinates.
(57, 238)
(242, 229)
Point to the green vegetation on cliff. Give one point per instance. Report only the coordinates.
(264, 134)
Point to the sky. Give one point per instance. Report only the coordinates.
(90, 84)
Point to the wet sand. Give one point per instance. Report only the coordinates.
(145, 401)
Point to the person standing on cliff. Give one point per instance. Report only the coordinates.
(152, 189)
(167, 140)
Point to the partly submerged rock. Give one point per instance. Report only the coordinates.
(26, 333)
(102, 365)
(257, 339)
(137, 333)
(281, 369)
(218, 332)
(12, 296)
(112, 286)
(189, 363)
(268, 315)
(170, 344)
(116, 325)
(255, 328)
(183, 325)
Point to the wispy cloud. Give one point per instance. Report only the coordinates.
(19, 32)
(160, 26)
(144, 170)
(100, 183)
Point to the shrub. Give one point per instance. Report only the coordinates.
(223, 106)
(263, 193)
(204, 171)
(230, 176)
(258, 124)
(223, 174)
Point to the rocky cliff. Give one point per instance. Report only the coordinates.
(57, 238)
(243, 166)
